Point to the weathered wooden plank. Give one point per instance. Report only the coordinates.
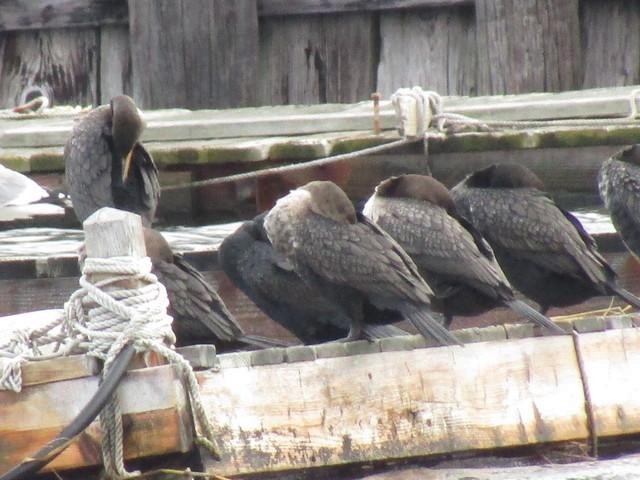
(626, 466)
(611, 41)
(434, 48)
(41, 14)
(611, 360)
(115, 62)
(59, 63)
(395, 404)
(302, 7)
(328, 58)
(207, 53)
(55, 370)
(184, 125)
(527, 45)
(153, 402)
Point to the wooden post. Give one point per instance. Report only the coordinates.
(153, 401)
(527, 46)
(194, 53)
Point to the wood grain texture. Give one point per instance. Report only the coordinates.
(40, 14)
(302, 7)
(194, 54)
(395, 404)
(527, 46)
(153, 402)
(61, 63)
(610, 41)
(115, 62)
(317, 59)
(433, 48)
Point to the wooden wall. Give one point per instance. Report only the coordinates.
(218, 53)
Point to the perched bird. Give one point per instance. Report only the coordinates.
(199, 315)
(107, 166)
(619, 184)
(544, 250)
(248, 259)
(18, 189)
(454, 259)
(351, 261)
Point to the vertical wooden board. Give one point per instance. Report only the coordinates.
(317, 58)
(194, 54)
(62, 63)
(527, 46)
(433, 48)
(157, 53)
(611, 364)
(234, 53)
(610, 41)
(115, 62)
(395, 404)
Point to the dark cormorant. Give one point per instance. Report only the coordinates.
(544, 250)
(619, 184)
(454, 259)
(199, 315)
(107, 166)
(351, 261)
(248, 259)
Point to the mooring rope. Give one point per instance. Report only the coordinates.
(101, 323)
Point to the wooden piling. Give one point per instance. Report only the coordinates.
(153, 402)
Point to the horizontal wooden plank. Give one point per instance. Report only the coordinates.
(304, 7)
(395, 405)
(626, 466)
(40, 14)
(182, 125)
(152, 401)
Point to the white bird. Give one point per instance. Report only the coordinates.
(17, 189)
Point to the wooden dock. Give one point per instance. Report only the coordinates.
(195, 145)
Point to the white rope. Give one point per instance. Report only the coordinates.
(101, 323)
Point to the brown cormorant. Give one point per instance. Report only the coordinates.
(199, 315)
(107, 166)
(454, 259)
(544, 250)
(619, 184)
(248, 259)
(318, 233)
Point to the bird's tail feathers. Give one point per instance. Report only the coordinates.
(375, 332)
(532, 314)
(430, 327)
(262, 342)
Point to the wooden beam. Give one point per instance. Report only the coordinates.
(304, 7)
(153, 402)
(42, 14)
(397, 404)
(234, 126)
(626, 466)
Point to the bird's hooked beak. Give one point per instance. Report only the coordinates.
(126, 166)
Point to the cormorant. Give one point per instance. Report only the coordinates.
(544, 250)
(351, 261)
(454, 259)
(107, 166)
(199, 315)
(619, 184)
(248, 259)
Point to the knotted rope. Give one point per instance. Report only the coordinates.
(100, 319)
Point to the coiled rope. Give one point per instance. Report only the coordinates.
(100, 319)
